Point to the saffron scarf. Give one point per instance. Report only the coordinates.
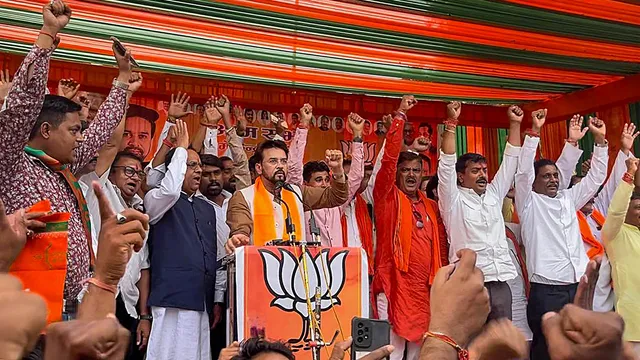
(42, 263)
(587, 235)
(264, 226)
(65, 171)
(523, 265)
(403, 230)
(365, 229)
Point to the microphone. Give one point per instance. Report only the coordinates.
(313, 226)
(290, 226)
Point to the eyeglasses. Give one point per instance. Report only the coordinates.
(129, 171)
(194, 164)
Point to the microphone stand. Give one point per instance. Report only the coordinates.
(313, 226)
(289, 225)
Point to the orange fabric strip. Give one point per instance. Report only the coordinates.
(365, 227)
(587, 235)
(264, 228)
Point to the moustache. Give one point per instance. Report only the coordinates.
(215, 183)
(481, 180)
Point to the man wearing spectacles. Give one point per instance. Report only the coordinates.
(411, 242)
(182, 244)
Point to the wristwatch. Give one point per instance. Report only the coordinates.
(145, 317)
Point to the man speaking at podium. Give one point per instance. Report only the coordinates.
(257, 214)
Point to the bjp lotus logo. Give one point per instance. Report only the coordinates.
(283, 277)
(368, 148)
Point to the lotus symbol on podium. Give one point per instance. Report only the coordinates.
(283, 277)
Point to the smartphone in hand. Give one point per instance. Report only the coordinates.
(368, 335)
(123, 50)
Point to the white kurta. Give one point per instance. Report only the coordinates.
(179, 334)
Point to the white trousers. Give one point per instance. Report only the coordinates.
(179, 334)
(399, 343)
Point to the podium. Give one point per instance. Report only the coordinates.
(267, 294)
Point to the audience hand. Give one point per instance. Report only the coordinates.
(223, 105)
(280, 125)
(135, 82)
(632, 165)
(230, 351)
(56, 16)
(334, 158)
(585, 166)
(587, 286)
(80, 340)
(538, 118)
(387, 120)
(463, 318)
(14, 229)
(356, 123)
(5, 84)
(453, 110)
(142, 333)
(124, 65)
(179, 106)
(627, 137)
(23, 316)
(86, 106)
(598, 129)
(407, 103)
(68, 88)
(241, 121)
(236, 241)
(576, 131)
(117, 241)
(211, 114)
(421, 144)
(306, 114)
(182, 134)
(217, 315)
(341, 347)
(515, 114)
(500, 340)
(576, 333)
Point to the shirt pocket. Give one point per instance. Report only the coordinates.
(472, 211)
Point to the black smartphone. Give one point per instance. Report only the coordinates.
(123, 50)
(368, 335)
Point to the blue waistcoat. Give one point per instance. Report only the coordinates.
(183, 253)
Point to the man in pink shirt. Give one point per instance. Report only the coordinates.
(316, 174)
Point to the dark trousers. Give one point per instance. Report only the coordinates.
(131, 324)
(500, 300)
(542, 299)
(218, 336)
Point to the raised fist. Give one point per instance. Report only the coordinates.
(453, 110)
(515, 114)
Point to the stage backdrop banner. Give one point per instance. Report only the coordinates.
(271, 293)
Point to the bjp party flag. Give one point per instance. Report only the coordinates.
(272, 295)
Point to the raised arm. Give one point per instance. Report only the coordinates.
(571, 153)
(386, 178)
(505, 175)
(298, 144)
(356, 171)
(334, 195)
(234, 141)
(620, 202)
(25, 98)
(109, 114)
(525, 173)
(108, 152)
(367, 194)
(447, 178)
(604, 197)
(159, 200)
(587, 188)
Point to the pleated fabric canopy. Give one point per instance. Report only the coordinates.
(482, 51)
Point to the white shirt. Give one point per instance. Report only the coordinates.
(475, 221)
(127, 287)
(518, 293)
(353, 232)
(222, 232)
(159, 200)
(550, 230)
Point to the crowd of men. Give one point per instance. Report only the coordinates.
(536, 263)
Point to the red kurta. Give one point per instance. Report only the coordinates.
(408, 292)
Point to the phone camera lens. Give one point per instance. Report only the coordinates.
(360, 332)
(366, 337)
(359, 339)
(360, 325)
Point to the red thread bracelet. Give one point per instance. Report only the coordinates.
(49, 35)
(628, 178)
(451, 123)
(168, 143)
(463, 354)
(532, 133)
(110, 288)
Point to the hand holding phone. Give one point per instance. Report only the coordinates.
(122, 50)
(369, 336)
